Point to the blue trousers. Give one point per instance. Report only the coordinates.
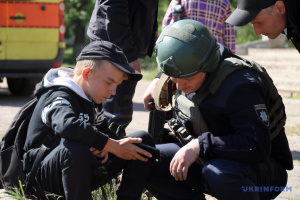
(72, 171)
(221, 178)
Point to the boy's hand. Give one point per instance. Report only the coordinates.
(100, 154)
(125, 149)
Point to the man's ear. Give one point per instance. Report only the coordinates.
(280, 7)
(85, 73)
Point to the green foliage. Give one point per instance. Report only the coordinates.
(233, 3)
(245, 34)
(106, 192)
(69, 58)
(77, 10)
(162, 8)
(18, 193)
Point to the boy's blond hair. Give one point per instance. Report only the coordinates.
(82, 64)
(94, 65)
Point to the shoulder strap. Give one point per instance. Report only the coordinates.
(227, 67)
(276, 113)
(161, 92)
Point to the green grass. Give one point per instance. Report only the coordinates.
(295, 96)
(19, 193)
(106, 192)
(296, 162)
(292, 130)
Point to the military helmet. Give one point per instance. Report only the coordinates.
(186, 48)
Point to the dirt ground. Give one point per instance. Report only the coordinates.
(9, 105)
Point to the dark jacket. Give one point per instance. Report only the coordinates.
(293, 21)
(238, 130)
(130, 24)
(64, 112)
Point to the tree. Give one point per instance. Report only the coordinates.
(77, 15)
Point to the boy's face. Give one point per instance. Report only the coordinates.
(102, 82)
(191, 84)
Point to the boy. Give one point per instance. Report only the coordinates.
(82, 153)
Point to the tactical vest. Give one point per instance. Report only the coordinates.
(188, 111)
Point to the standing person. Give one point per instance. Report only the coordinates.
(81, 153)
(236, 142)
(132, 25)
(270, 18)
(211, 13)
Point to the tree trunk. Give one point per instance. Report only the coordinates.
(80, 34)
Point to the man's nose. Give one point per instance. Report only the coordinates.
(180, 84)
(257, 29)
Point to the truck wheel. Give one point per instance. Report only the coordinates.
(21, 86)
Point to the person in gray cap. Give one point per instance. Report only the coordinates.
(81, 152)
(270, 18)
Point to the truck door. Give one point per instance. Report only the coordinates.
(32, 29)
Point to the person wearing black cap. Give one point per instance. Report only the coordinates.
(82, 153)
(132, 25)
(270, 18)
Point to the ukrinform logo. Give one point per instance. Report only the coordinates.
(266, 189)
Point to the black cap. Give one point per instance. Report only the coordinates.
(98, 50)
(247, 10)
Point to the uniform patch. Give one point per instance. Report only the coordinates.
(262, 113)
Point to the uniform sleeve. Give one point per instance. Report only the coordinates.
(249, 141)
(118, 26)
(60, 116)
(229, 33)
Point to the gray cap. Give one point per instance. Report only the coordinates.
(247, 10)
(98, 50)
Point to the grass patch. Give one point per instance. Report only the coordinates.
(149, 68)
(296, 162)
(295, 96)
(292, 130)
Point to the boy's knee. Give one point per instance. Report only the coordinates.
(75, 150)
(146, 137)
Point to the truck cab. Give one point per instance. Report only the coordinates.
(31, 41)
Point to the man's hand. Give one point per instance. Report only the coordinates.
(125, 149)
(149, 94)
(183, 159)
(100, 154)
(136, 65)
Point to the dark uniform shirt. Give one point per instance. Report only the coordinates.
(237, 117)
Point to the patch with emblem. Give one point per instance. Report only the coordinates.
(262, 113)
